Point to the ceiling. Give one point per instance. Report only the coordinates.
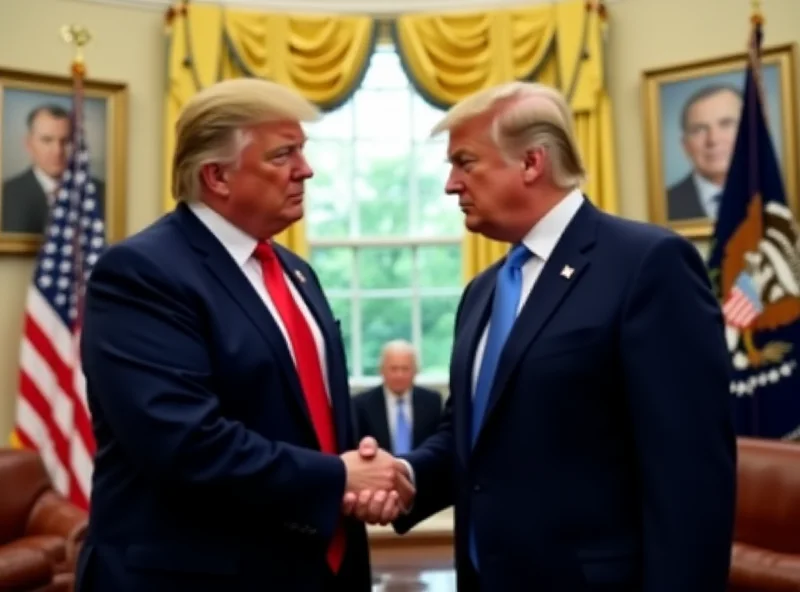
(376, 7)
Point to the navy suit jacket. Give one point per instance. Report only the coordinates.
(372, 420)
(606, 460)
(208, 475)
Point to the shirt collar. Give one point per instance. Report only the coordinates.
(709, 194)
(238, 243)
(544, 236)
(49, 185)
(405, 397)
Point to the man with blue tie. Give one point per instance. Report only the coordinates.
(587, 442)
(216, 378)
(398, 414)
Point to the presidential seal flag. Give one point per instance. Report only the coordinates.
(755, 266)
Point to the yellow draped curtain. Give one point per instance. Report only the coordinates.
(451, 56)
(320, 56)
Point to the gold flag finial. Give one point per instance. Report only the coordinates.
(756, 17)
(77, 36)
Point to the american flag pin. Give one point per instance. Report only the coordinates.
(567, 272)
(300, 277)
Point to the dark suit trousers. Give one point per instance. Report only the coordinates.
(347, 579)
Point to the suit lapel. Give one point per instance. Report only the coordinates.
(380, 417)
(417, 413)
(314, 300)
(234, 281)
(475, 315)
(561, 273)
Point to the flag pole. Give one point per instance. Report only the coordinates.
(78, 36)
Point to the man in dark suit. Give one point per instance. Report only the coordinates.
(27, 197)
(587, 442)
(709, 121)
(398, 414)
(216, 378)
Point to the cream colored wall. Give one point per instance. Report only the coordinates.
(652, 33)
(128, 45)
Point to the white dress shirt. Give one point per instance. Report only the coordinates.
(392, 402)
(709, 194)
(540, 240)
(47, 183)
(240, 246)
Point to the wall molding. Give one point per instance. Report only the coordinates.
(373, 7)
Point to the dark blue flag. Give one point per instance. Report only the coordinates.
(755, 265)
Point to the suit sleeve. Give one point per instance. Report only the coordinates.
(677, 372)
(432, 463)
(149, 371)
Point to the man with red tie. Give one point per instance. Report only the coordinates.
(217, 382)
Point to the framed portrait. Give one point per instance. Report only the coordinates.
(692, 115)
(35, 134)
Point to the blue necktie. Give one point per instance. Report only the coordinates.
(402, 430)
(507, 293)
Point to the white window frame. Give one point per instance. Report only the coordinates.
(358, 380)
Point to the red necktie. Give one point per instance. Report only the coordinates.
(309, 369)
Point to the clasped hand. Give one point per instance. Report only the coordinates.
(378, 485)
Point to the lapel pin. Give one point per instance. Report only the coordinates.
(300, 277)
(567, 272)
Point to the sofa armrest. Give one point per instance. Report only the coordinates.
(52, 514)
(753, 568)
(22, 568)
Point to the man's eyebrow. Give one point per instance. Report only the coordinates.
(458, 155)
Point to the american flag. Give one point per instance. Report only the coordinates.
(743, 304)
(52, 415)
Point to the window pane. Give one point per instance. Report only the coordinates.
(425, 116)
(382, 189)
(439, 212)
(385, 70)
(384, 267)
(329, 191)
(382, 319)
(343, 312)
(439, 266)
(334, 125)
(383, 114)
(438, 316)
(334, 266)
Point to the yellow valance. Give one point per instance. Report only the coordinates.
(322, 57)
(450, 56)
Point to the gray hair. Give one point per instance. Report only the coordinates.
(398, 346)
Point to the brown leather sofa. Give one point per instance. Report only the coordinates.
(40, 531)
(766, 549)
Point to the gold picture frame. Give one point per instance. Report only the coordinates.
(28, 162)
(688, 129)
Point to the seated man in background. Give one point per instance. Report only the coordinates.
(398, 414)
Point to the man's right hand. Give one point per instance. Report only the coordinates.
(378, 485)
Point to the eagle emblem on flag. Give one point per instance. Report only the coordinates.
(760, 280)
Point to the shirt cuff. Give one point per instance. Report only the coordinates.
(411, 478)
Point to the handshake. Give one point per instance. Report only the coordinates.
(378, 487)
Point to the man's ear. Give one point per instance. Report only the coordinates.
(215, 177)
(533, 164)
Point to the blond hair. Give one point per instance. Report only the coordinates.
(211, 125)
(526, 115)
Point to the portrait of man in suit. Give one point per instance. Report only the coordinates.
(397, 413)
(37, 136)
(709, 121)
(696, 109)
